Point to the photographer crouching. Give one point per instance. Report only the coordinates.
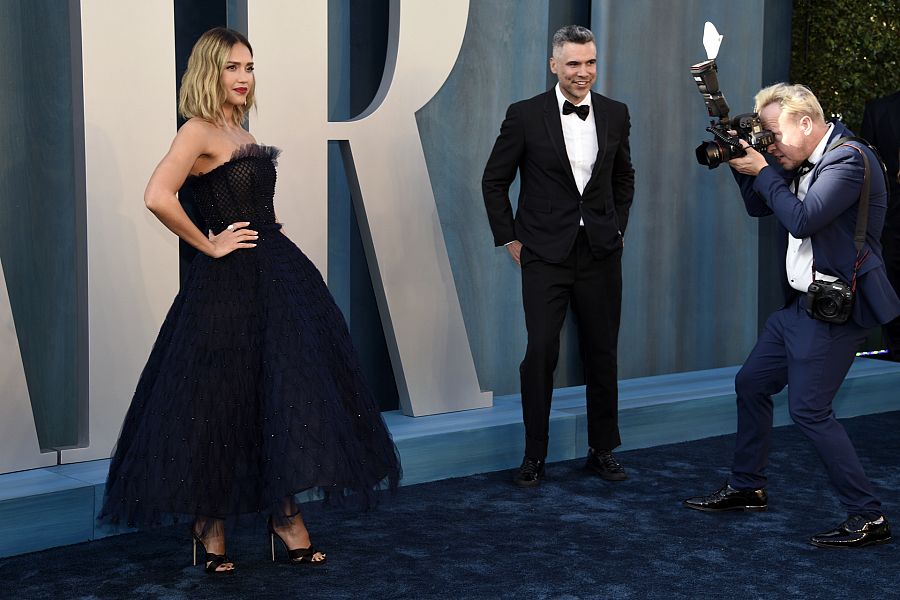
(835, 289)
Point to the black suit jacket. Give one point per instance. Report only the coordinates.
(881, 127)
(550, 207)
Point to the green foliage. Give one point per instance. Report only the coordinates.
(847, 52)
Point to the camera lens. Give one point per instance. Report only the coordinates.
(826, 307)
(712, 154)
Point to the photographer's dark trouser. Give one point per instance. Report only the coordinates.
(594, 288)
(812, 358)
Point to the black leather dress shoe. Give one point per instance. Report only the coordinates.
(855, 532)
(728, 498)
(530, 473)
(605, 465)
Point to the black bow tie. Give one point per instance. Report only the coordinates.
(804, 168)
(582, 111)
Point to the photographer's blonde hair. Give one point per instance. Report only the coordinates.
(201, 93)
(797, 100)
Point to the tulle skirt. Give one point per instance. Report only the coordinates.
(252, 394)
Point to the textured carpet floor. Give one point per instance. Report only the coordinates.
(574, 537)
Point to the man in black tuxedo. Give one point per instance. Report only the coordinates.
(881, 127)
(570, 147)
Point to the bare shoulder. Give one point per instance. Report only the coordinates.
(191, 142)
(195, 133)
(190, 145)
(204, 143)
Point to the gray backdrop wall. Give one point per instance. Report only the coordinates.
(692, 261)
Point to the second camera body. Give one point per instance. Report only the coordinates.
(830, 301)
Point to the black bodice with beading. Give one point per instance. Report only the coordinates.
(241, 189)
(253, 391)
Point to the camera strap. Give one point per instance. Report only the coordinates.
(862, 213)
(867, 144)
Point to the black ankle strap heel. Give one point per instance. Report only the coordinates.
(213, 561)
(297, 556)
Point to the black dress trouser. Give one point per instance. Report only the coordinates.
(594, 288)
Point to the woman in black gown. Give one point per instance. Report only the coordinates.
(252, 392)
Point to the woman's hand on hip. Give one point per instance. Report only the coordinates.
(234, 237)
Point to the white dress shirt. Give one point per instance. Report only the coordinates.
(798, 261)
(581, 141)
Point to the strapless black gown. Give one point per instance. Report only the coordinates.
(252, 392)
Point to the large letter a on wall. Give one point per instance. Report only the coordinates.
(411, 274)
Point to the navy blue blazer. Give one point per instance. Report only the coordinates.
(828, 217)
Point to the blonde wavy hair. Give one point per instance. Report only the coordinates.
(796, 100)
(201, 92)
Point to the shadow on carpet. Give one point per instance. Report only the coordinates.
(574, 537)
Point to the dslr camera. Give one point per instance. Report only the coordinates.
(724, 146)
(830, 301)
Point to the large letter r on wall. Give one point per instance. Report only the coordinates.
(417, 298)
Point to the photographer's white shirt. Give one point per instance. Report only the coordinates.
(799, 258)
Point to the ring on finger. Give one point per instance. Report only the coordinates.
(230, 228)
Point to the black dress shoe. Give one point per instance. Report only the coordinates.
(605, 465)
(729, 498)
(530, 473)
(855, 532)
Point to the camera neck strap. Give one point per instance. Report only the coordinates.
(862, 213)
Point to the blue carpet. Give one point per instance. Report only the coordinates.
(575, 537)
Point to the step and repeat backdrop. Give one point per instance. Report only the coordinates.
(386, 112)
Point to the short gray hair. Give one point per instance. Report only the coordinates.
(575, 34)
